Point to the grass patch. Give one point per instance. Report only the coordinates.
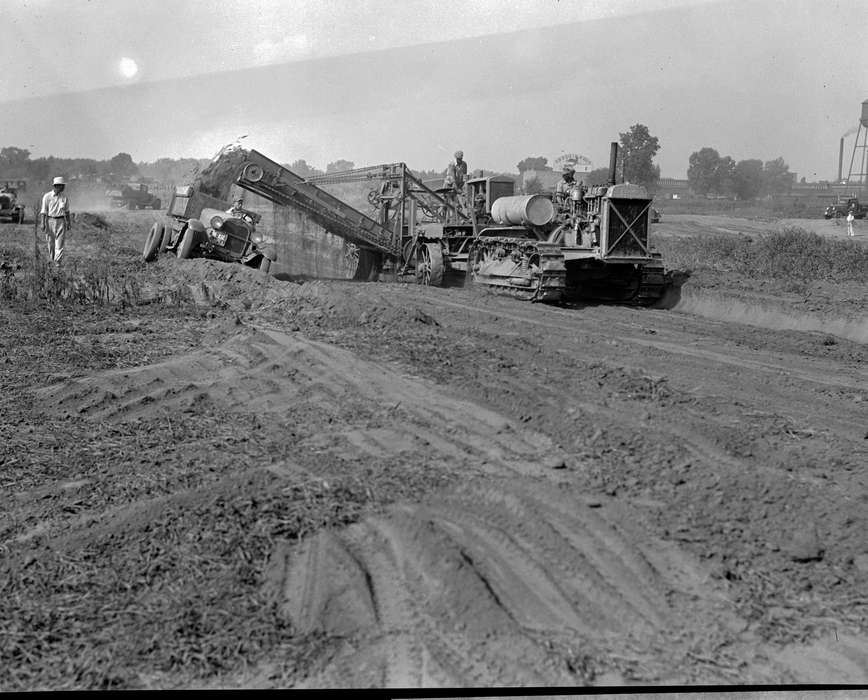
(99, 268)
(789, 254)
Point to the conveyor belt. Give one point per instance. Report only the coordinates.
(268, 179)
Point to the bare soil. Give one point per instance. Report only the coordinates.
(211, 478)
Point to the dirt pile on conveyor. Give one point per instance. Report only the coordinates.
(216, 178)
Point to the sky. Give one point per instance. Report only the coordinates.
(375, 82)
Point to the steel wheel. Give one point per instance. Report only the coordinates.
(429, 264)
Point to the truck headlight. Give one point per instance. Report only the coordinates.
(216, 222)
(256, 237)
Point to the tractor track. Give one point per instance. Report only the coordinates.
(472, 587)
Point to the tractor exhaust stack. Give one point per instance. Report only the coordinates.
(613, 162)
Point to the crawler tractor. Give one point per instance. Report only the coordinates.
(603, 236)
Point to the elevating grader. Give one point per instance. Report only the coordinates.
(590, 246)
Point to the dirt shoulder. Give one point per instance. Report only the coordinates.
(239, 481)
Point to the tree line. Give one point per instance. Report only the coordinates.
(711, 173)
(16, 162)
(708, 172)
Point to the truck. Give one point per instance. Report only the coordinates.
(200, 225)
(134, 195)
(843, 207)
(11, 208)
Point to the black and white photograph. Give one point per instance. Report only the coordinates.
(446, 346)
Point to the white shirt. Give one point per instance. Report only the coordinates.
(55, 204)
(850, 218)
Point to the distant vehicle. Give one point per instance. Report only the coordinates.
(135, 195)
(10, 208)
(200, 226)
(839, 209)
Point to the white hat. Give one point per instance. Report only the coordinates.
(58, 181)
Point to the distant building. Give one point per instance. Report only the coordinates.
(672, 188)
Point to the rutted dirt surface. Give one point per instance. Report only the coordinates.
(247, 481)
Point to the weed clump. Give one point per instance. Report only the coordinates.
(789, 254)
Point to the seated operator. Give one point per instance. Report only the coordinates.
(565, 185)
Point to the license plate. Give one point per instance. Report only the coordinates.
(220, 238)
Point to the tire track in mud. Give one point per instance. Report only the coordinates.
(473, 586)
(476, 586)
(368, 408)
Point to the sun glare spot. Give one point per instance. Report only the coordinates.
(128, 67)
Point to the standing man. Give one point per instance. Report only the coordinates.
(456, 176)
(54, 215)
(850, 218)
(456, 173)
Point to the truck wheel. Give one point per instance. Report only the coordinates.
(156, 204)
(186, 244)
(152, 242)
(167, 238)
(132, 206)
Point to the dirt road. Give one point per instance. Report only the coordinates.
(337, 484)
